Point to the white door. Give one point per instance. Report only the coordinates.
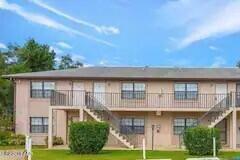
(78, 94)
(221, 91)
(99, 93)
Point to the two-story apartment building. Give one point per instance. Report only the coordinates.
(155, 103)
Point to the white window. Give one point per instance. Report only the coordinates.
(132, 126)
(39, 124)
(181, 124)
(185, 91)
(41, 89)
(133, 91)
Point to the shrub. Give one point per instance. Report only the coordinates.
(17, 139)
(56, 140)
(199, 140)
(9, 138)
(88, 137)
(4, 138)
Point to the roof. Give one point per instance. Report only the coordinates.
(134, 73)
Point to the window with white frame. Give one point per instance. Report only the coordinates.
(132, 126)
(185, 91)
(133, 90)
(39, 124)
(181, 124)
(41, 89)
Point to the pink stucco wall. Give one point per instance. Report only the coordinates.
(27, 107)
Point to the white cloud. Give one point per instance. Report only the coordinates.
(167, 50)
(56, 50)
(213, 19)
(45, 21)
(107, 30)
(101, 29)
(78, 57)
(88, 65)
(64, 45)
(3, 46)
(218, 62)
(103, 62)
(173, 14)
(214, 48)
(172, 39)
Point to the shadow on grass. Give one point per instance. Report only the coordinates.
(106, 152)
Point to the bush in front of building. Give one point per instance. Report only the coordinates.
(56, 140)
(9, 138)
(17, 139)
(88, 137)
(199, 140)
(4, 137)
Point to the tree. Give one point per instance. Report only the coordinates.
(30, 57)
(67, 62)
(35, 56)
(2, 64)
(238, 64)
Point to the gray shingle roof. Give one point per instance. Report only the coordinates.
(135, 73)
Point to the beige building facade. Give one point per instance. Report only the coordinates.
(155, 103)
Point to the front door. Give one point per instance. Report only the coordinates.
(78, 94)
(238, 94)
(99, 93)
(221, 92)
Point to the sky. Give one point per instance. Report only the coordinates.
(169, 33)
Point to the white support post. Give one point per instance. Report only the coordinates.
(50, 114)
(234, 128)
(214, 147)
(81, 115)
(26, 142)
(144, 149)
(29, 149)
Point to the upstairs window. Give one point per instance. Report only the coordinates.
(41, 89)
(133, 91)
(185, 91)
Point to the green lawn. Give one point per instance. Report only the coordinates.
(39, 153)
(117, 155)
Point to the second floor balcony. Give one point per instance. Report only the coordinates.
(143, 100)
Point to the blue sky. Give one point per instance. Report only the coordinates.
(183, 33)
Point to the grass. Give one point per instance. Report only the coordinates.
(20, 147)
(39, 153)
(118, 155)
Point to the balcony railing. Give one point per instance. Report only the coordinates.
(143, 100)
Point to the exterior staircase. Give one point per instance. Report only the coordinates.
(220, 118)
(218, 112)
(215, 114)
(101, 113)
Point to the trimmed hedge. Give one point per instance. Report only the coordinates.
(9, 138)
(199, 140)
(88, 137)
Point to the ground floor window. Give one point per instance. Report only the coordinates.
(180, 124)
(132, 126)
(39, 124)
